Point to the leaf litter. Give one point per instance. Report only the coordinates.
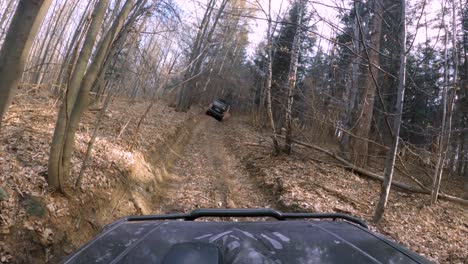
(438, 232)
(50, 225)
(210, 167)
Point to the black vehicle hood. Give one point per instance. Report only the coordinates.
(245, 242)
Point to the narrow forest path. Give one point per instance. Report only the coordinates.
(208, 175)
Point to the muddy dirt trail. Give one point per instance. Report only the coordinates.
(208, 175)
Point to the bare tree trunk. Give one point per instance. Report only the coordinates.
(440, 138)
(56, 166)
(362, 127)
(454, 152)
(92, 140)
(182, 103)
(21, 33)
(45, 62)
(462, 154)
(268, 80)
(112, 15)
(354, 88)
(99, 83)
(5, 17)
(464, 166)
(72, 50)
(107, 49)
(292, 75)
(197, 56)
(72, 59)
(392, 153)
(448, 102)
(41, 42)
(45, 45)
(207, 39)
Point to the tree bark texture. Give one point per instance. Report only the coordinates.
(292, 75)
(19, 38)
(56, 167)
(73, 48)
(269, 109)
(83, 97)
(448, 98)
(392, 153)
(352, 91)
(97, 126)
(364, 110)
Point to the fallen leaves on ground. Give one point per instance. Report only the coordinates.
(30, 213)
(438, 232)
(204, 164)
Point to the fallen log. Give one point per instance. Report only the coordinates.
(374, 176)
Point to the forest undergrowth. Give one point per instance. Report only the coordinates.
(120, 180)
(314, 182)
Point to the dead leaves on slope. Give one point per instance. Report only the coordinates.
(24, 150)
(299, 183)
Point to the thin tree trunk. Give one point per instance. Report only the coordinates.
(448, 106)
(92, 140)
(182, 102)
(108, 20)
(21, 33)
(106, 50)
(462, 154)
(269, 110)
(58, 42)
(72, 50)
(391, 156)
(208, 39)
(183, 97)
(48, 41)
(464, 166)
(42, 52)
(72, 60)
(292, 75)
(56, 166)
(96, 88)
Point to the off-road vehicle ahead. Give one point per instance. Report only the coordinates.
(217, 109)
(294, 238)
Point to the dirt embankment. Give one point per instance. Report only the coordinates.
(120, 180)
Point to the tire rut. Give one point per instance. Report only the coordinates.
(208, 175)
